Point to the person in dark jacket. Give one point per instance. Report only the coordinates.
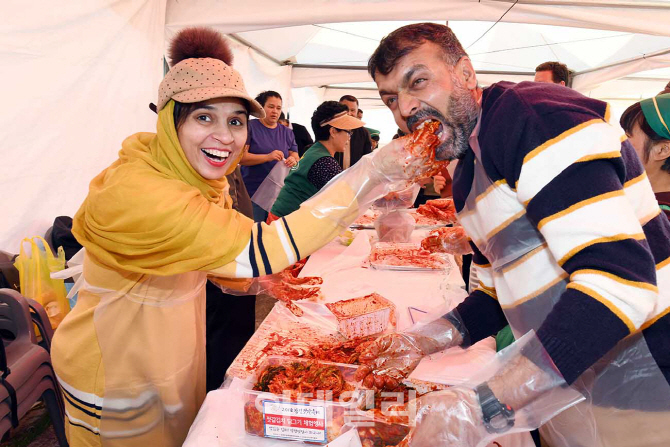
(360, 139)
(302, 137)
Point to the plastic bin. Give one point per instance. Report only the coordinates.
(311, 421)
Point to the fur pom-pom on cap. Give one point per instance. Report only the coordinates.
(199, 42)
(196, 79)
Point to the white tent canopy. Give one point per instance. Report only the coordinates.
(79, 75)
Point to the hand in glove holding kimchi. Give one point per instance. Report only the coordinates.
(393, 357)
(452, 240)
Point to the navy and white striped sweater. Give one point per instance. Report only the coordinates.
(551, 150)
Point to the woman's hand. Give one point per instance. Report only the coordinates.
(275, 155)
(291, 161)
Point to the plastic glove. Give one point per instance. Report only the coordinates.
(522, 376)
(410, 157)
(453, 240)
(396, 355)
(451, 417)
(394, 167)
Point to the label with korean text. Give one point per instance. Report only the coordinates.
(300, 422)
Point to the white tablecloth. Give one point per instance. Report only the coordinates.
(220, 420)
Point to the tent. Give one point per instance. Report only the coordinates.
(78, 76)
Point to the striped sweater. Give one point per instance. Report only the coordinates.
(552, 156)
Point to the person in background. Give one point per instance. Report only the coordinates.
(374, 139)
(360, 139)
(268, 143)
(646, 125)
(302, 137)
(553, 72)
(359, 115)
(230, 320)
(332, 126)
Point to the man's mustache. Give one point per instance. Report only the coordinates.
(422, 114)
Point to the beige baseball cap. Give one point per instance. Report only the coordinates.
(343, 121)
(200, 79)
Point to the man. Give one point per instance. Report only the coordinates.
(562, 219)
(302, 138)
(332, 126)
(360, 139)
(359, 114)
(552, 72)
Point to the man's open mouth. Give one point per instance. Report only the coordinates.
(441, 134)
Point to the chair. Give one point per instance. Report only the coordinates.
(41, 320)
(27, 375)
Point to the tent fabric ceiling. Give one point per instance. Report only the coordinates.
(82, 74)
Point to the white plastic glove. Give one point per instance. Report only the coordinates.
(396, 355)
(451, 417)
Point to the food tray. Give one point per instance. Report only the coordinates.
(362, 316)
(376, 430)
(445, 265)
(315, 421)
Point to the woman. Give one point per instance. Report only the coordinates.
(269, 143)
(332, 126)
(646, 124)
(131, 355)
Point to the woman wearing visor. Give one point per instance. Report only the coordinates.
(155, 225)
(332, 126)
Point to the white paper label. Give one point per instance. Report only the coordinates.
(301, 422)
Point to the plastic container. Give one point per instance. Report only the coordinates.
(442, 264)
(311, 421)
(375, 431)
(362, 316)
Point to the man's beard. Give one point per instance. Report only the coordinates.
(458, 124)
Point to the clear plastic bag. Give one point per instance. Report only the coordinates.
(395, 226)
(267, 192)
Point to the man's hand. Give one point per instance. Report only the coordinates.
(439, 183)
(275, 155)
(391, 356)
(451, 417)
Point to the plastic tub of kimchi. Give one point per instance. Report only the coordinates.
(300, 399)
(362, 316)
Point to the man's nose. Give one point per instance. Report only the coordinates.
(408, 105)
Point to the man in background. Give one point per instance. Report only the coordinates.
(553, 72)
(360, 139)
(302, 137)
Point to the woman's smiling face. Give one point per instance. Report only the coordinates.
(213, 136)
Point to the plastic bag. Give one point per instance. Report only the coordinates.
(398, 200)
(267, 192)
(396, 226)
(453, 240)
(35, 267)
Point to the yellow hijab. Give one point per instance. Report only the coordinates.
(151, 212)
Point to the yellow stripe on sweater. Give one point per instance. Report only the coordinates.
(615, 238)
(601, 299)
(535, 152)
(626, 282)
(579, 205)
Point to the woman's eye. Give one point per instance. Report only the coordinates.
(205, 118)
(236, 122)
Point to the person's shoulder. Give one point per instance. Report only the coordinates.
(542, 99)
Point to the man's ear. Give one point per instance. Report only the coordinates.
(466, 72)
(661, 151)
